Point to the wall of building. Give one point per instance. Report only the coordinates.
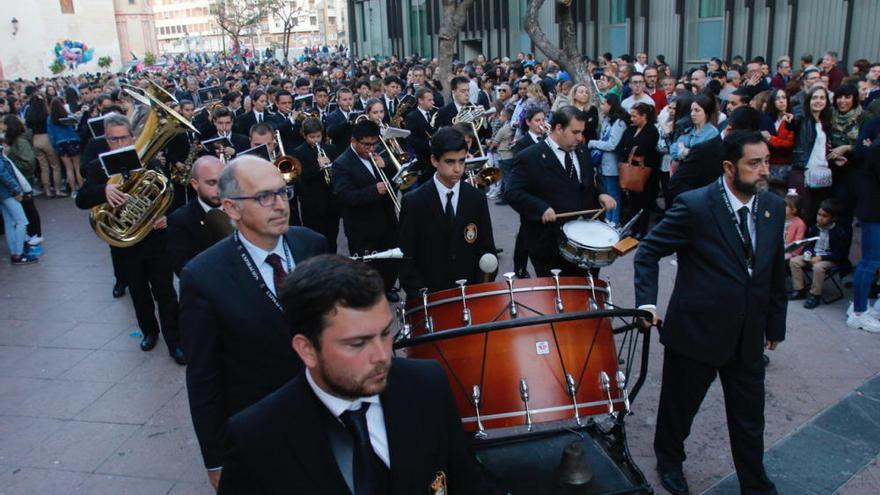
(674, 28)
(30, 52)
(136, 28)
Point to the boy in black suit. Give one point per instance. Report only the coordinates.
(318, 207)
(444, 225)
(357, 420)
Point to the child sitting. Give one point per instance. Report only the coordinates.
(795, 228)
(830, 251)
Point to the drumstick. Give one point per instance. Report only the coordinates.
(576, 213)
(599, 212)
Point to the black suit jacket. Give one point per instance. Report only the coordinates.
(338, 128)
(538, 182)
(522, 143)
(700, 167)
(445, 115)
(281, 446)
(437, 254)
(315, 195)
(245, 121)
(420, 139)
(239, 143)
(716, 308)
(187, 234)
(369, 219)
(236, 340)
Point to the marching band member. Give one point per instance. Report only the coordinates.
(444, 225)
(289, 126)
(391, 421)
(389, 99)
(368, 213)
(339, 121)
(258, 114)
(460, 97)
(322, 107)
(234, 326)
(147, 269)
(418, 122)
(188, 235)
(554, 176)
(177, 151)
(319, 208)
(263, 134)
(222, 119)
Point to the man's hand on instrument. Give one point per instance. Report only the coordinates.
(324, 161)
(607, 202)
(645, 323)
(549, 216)
(229, 151)
(380, 186)
(160, 223)
(380, 163)
(179, 166)
(114, 196)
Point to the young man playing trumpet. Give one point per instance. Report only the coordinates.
(318, 207)
(362, 185)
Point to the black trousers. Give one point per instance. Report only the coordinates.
(116, 256)
(388, 268)
(684, 386)
(326, 225)
(520, 251)
(32, 215)
(150, 278)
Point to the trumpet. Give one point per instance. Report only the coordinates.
(289, 166)
(325, 167)
(390, 190)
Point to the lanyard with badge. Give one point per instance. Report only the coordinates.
(749, 250)
(255, 273)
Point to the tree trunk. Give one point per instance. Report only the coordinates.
(286, 43)
(567, 55)
(453, 16)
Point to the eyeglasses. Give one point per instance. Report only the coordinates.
(267, 199)
(368, 143)
(118, 139)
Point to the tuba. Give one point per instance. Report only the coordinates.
(149, 193)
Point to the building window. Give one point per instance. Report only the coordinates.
(709, 25)
(67, 7)
(313, 20)
(617, 27)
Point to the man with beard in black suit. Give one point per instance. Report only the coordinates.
(188, 234)
(368, 211)
(339, 121)
(357, 420)
(728, 304)
(444, 225)
(554, 176)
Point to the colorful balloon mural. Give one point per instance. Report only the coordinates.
(73, 53)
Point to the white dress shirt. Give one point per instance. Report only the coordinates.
(259, 255)
(535, 137)
(258, 116)
(736, 204)
(560, 155)
(443, 190)
(375, 416)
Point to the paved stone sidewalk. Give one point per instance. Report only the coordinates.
(83, 410)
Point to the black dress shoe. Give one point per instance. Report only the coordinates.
(178, 357)
(766, 360)
(118, 291)
(811, 302)
(149, 342)
(523, 274)
(393, 297)
(674, 482)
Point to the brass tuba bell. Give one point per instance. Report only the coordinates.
(149, 193)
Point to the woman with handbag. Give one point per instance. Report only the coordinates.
(810, 174)
(602, 150)
(639, 173)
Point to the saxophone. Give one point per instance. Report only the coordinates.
(182, 176)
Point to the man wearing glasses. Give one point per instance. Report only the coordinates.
(638, 95)
(145, 266)
(368, 211)
(234, 331)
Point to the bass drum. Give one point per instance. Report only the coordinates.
(524, 375)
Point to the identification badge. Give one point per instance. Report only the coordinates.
(438, 486)
(470, 233)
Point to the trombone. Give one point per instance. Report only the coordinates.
(289, 166)
(404, 178)
(392, 193)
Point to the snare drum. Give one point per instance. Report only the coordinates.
(515, 377)
(588, 243)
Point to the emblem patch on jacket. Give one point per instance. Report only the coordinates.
(438, 486)
(470, 233)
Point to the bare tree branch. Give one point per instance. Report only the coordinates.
(288, 12)
(454, 15)
(567, 55)
(235, 16)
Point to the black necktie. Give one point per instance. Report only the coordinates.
(569, 166)
(365, 479)
(744, 229)
(450, 212)
(259, 118)
(278, 272)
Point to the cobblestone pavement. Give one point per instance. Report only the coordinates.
(83, 410)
